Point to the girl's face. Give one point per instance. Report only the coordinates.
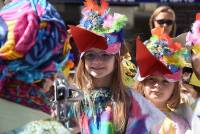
(158, 90)
(164, 20)
(98, 63)
(188, 92)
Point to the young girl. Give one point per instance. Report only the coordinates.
(158, 74)
(189, 86)
(108, 106)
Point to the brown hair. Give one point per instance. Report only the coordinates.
(119, 91)
(173, 101)
(157, 12)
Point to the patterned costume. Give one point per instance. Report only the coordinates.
(143, 117)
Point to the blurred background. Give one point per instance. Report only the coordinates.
(138, 12)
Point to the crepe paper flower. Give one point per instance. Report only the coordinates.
(192, 38)
(175, 46)
(170, 53)
(99, 20)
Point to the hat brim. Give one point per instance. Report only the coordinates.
(86, 39)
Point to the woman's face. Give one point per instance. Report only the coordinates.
(164, 20)
(158, 90)
(98, 63)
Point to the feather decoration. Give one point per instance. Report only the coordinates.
(198, 16)
(91, 5)
(119, 23)
(175, 46)
(104, 7)
(175, 60)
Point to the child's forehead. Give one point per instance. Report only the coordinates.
(96, 50)
(156, 77)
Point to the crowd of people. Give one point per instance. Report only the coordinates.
(39, 77)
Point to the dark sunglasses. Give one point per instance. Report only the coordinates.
(163, 21)
(90, 56)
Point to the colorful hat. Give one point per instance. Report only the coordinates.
(98, 28)
(32, 48)
(160, 56)
(193, 37)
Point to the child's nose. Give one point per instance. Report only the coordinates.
(156, 84)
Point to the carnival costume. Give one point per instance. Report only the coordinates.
(100, 29)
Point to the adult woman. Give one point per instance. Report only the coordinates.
(164, 17)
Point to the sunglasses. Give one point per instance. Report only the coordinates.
(90, 56)
(163, 21)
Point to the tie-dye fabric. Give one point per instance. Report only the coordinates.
(143, 118)
(32, 48)
(174, 124)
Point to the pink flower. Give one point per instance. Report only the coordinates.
(194, 37)
(108, 21)
(189, 39)
(196, 27)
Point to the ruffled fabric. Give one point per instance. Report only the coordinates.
(192, 37)
(174, 124)
(32, 42)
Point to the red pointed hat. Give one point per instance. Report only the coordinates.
(147, 63)
(99, 28)
(160, 56)
(86, 39)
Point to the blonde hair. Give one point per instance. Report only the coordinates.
(173, 102)
(118, 89)
(156, 12)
